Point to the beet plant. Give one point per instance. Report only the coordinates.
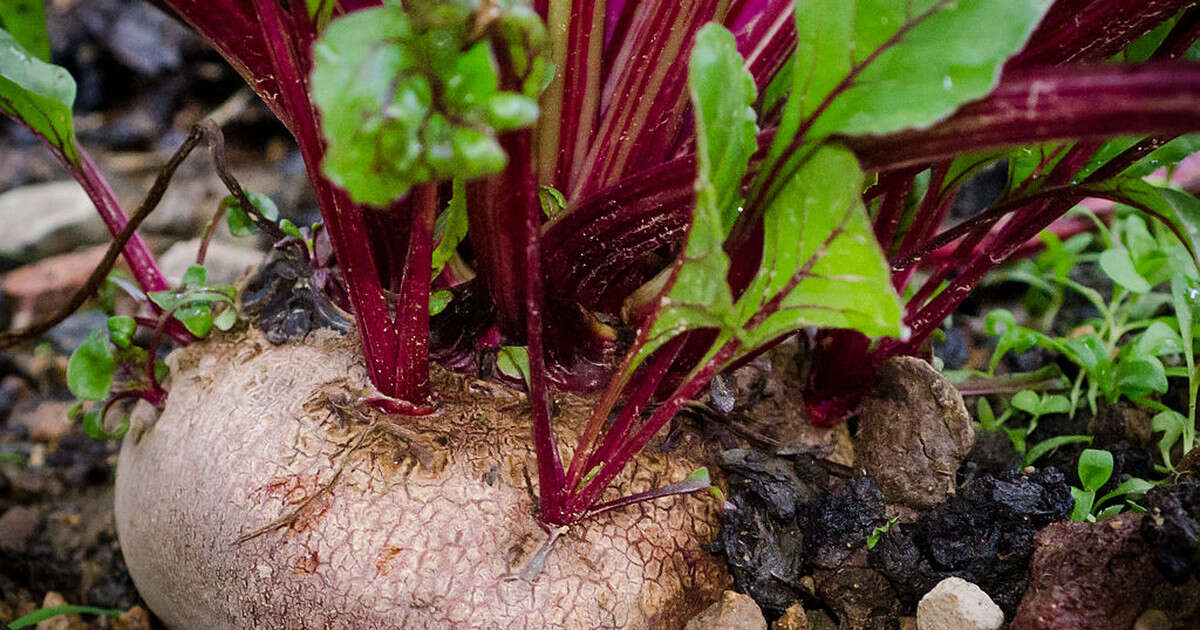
(629, 198)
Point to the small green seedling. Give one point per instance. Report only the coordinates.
(1095, 469)
(50, 612)
(1036, 406)
(873, 537)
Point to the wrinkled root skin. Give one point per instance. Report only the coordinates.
(421, 528)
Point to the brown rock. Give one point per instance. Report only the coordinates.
(40, 288)
(913, 433)
(135, 618)
(793, 618)
(1088, 575)
(47, 421)
(734, 611)
(1152, 620)
(17, 526)
(861, 597)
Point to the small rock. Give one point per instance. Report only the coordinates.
(793, 619)
(51, 218)
(61, 622)
(1152, 620)
(1088, 575)
(17, 526)
(135, 618)
(39, 289)
(47, 422)
(734, 611)
(913, 431)
(956, 604)
(224, 262)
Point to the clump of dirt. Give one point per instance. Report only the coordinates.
(1172, 528)
(1088, 575)
(762, 542)
(983, 535)
(787, 520)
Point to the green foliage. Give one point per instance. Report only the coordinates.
(25, 20)
(439, 300)
(37, 93)
(90, 368)
(239, 222)
(513, 362)
(411, 96)
(50, 612)
(1095, 468)
(821, 265)
(450, 228)
(873, 537)
(193, 303)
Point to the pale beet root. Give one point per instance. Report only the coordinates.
(422, 527)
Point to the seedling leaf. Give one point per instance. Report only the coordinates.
(1095, 467)
(239, 222)
(120, 330)
(90, 368)
(50, 612)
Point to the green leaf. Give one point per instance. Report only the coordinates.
(513, 362)
(1045, 446)
(120, 330)
(450, 228)
(25, 20)
(1178, 209)
(239, 222)
(195, 276)
(226, 318)
(38, 94)
(1158, 339)
(438, 300)
(722, 92)
(553, 202)
(983, 411)
(289, 228)
(1055, 403)
(1136, 377)
(876, 66)
(408, 98)
(320, 12)
(1083, 504)
(90, 368)
(818, 233)
(93, 426)
(1167, 155)
(50, 612)
(1027, 401)
(1095, 467)
(1172, 425)
(1133, 485)
(1117, 265)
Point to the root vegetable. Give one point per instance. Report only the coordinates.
(351, 519)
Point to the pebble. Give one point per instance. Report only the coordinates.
(39, 289)
(55, 217)
(17, 526)
(956, 604)
(224, 262)
(793, 619)
(734, 611)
